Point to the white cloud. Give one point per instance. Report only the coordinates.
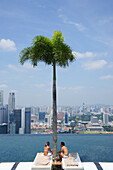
(110, 65)
(19, 68)
(3, 86)
(107, 77)
(79, 26)
(106, 20)
(28, 66)
(74, 89)
(7, 45)
(62, 88)
(39, 85)
(15, 68)
(93, 65)
(14, 91)
(88, 54)
(3, 72)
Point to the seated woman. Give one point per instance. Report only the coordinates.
(45, 150)
(49, 150)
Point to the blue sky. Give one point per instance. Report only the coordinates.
(88, 29)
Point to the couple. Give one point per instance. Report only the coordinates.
(63, 153)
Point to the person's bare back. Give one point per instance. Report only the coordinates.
(63, 153)
(65, 150)
(45, 150)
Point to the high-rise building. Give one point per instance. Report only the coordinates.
(66, 117)
(105, 119)
(48, 120)
(11, 103)
(42, 116)
(60, 116)
(94, 119)
(12, 128)
(17, 114)
(43, 109)
(22, 130)
(11, 106)
(3, 128)
(27, 120)
(3, 114)
(1, 98)
(12, 124)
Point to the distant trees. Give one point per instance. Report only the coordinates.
(80, 117)
(108, 128)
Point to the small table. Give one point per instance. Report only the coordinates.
(57, 165)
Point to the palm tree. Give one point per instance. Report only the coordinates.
(53, 52)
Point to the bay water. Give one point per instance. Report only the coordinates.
(23, 148)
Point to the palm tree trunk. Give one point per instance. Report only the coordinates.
(54, 113)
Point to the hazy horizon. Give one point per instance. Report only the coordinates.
(87, 28)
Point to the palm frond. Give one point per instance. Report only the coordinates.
(25, 54)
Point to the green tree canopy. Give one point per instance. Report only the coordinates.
(51, 51)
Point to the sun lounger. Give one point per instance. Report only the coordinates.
(42, 162)
(73, 162)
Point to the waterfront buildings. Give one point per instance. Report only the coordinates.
(95, 128)
(20, 120)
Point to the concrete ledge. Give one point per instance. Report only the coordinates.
(28, 166)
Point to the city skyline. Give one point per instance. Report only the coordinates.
(87, 29)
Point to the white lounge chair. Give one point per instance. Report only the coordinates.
(42, 162)
(73, 162)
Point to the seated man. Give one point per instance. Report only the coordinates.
(63, 153)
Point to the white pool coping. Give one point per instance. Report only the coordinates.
(28, 165)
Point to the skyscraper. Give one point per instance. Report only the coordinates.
(12, 124)
(17, 114)
(11, 103)
(27, 120)
(66, 117)
(42, 116)
(1, 98)
(11, 106)
(22, 129)
(105, 118)
(48, 120)
(4, 114)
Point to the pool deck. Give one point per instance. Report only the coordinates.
(28, 165)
